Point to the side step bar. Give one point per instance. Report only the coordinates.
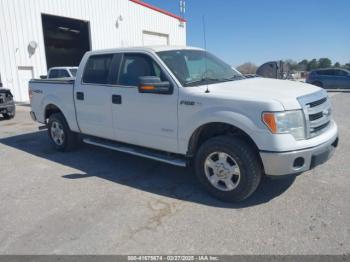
(137, 151)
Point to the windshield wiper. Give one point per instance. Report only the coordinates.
(202, 80)
(234, 78)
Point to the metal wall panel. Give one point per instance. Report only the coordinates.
(20, 23)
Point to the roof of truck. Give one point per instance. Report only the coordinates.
(145, 48)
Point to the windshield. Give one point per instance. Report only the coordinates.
(73, 72)
(197, 67)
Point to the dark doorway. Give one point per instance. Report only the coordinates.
(66, 40)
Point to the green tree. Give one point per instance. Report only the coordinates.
(302, 65)
(324, 63)
(313, 64)
(291, 65)
(337, 64)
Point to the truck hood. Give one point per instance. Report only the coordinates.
(284, 91)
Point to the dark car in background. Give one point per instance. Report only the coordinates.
(7, 105)
(330, 78)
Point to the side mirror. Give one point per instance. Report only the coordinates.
(43, 77)
(153, 85)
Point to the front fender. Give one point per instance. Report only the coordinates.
(187, 129)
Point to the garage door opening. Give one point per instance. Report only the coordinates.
(66, 40)
(153, 38)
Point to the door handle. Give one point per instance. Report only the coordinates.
(116, 99)
(80, 96)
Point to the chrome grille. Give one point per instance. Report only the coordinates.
(317, 110)
(2, 98)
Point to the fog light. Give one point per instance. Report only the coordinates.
(299, 162)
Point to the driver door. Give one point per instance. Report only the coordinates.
(144, 119)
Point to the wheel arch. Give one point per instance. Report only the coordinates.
(50, 109)
(213, 129)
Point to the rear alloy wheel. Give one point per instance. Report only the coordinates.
(57, 133)
(61, 136)
(228, 167)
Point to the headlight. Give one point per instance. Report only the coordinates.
(287, 122)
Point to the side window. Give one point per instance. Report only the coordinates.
(137, 65)
(97, 69)
(64, 73)
(330, 72)
(341, 73)
(54, 73)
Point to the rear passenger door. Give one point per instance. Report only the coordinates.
(144, 119)
(93, 97)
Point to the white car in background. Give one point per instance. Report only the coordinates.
(61, 72)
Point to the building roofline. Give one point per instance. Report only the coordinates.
(158, 10)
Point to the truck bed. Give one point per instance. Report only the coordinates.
(47, 92)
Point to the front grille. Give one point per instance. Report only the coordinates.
(317, 109)
(315, 116)
(318, 102)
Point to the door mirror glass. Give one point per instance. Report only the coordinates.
(153, 84)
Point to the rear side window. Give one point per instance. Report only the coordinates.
(54, 73)
(97, 69)
(341, 73)
(63, 73)
(73, 72)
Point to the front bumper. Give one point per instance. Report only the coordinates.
(7, 108)
(294, 162)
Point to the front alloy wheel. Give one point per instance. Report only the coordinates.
(228, 167)
(222, 171)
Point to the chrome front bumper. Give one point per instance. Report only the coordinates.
(285, 163)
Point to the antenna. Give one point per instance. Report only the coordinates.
(205, 51)
(182, 8)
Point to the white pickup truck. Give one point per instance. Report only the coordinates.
(182, 105)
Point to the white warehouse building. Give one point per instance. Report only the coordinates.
(36, 35)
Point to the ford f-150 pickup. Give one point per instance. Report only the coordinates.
(184, 106)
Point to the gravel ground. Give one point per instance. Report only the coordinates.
(96, 201)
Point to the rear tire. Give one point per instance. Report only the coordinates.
(229, 168)
(61, 136)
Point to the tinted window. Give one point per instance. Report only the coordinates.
(97, 69)
(326, 72)
(137, 65)
(73, 72)
(341, 73)
(54, 73)
(63, 73)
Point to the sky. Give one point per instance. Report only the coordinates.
(265, 30)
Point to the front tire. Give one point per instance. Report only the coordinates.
(229, 168)
(61, 136)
